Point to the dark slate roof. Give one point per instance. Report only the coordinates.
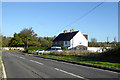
(65, 36)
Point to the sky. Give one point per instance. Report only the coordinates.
(48, 19)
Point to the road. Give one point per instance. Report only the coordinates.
(25, 66)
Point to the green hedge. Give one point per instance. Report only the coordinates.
(36, 48)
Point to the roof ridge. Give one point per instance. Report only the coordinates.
(65, 36)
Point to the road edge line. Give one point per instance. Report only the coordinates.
(3, 70)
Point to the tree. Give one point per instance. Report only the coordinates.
(29, 37)
(93, 40)
(25, 33)
(44, 42)
(16, 41)
(5, 41)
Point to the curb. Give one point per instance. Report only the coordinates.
(3, 70)
(83, 64)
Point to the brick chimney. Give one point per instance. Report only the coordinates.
(85, 35)
(72, 30)
(65, 31)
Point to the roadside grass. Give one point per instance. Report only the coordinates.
(81, 59)
(9, 50)
(108, 59)
(0, 67)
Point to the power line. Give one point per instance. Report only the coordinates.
(83, 15)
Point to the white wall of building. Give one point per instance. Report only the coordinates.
(96, 49)
(78, 39)
(12, 48)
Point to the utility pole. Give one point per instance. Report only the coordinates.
(27, 45)
(107, 40)
(114, 39)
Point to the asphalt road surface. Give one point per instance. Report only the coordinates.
(24, 66)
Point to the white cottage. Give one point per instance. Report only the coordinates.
(72, 39)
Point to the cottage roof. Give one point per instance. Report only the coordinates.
(65, 36)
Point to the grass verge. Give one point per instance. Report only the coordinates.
(81, 59)
(0, 66)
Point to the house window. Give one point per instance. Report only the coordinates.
(55, 43)
(59, 42)
(65, 42)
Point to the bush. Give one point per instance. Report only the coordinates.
(36, 48)
(64, 48)
(71, 53)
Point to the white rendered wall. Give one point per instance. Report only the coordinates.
(96, 49)
(78, 39)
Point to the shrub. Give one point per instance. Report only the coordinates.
(36, 48)
(64, 48)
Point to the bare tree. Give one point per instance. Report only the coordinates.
(93, 40)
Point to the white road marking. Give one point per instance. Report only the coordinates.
(37, 62)
(22, 57)
(3, 69)
(70, 73)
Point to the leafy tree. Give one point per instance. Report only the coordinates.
(44, 42)
(34, 43)
(5, 41)
(29, 36)
(16, 41)
(25, 33)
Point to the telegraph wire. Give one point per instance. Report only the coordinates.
(84, 15)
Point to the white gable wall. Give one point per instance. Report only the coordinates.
(78, 39)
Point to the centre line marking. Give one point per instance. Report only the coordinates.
(22, 57)
(70, 73)
(37, 62)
